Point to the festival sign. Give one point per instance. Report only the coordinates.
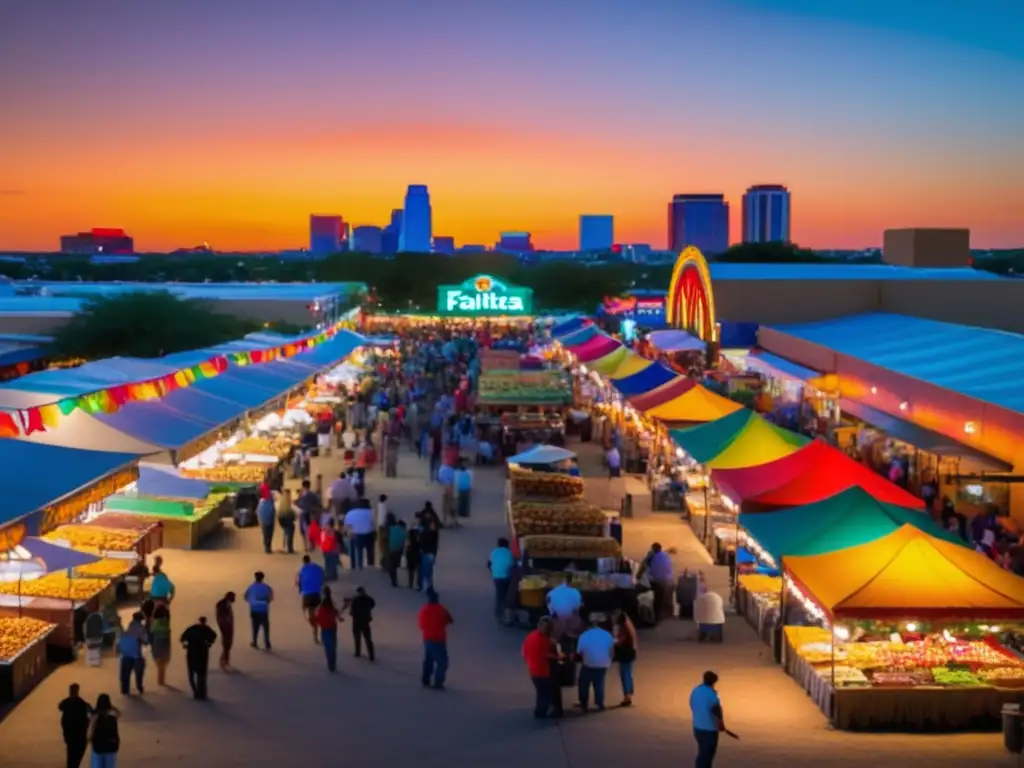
(483, 296)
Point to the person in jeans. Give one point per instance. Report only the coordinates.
(434, 620)
(359, 521)
(327, 618)
(429, 539)
(539, 651)
(396, 545)
(330, 550)
(708, 720)
(259, 596)
(103, 733)
(463, 489)
(625, 654)
(595, 648)
(130, 647)
(500, 565)
(286, 519)
(266, 515)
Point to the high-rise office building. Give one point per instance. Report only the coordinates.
(325, 234)
(107, 240)
(766, 214)
(444, 244)
(366, 239)
(597, 232)
(390, 235)
(698, 220)
(417, 221)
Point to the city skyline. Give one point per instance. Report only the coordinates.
(878, 116)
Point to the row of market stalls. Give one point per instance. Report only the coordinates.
(105, 463)
(887, 619)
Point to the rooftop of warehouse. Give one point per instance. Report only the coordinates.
(63, 297)
(730, 271)
(982, 363)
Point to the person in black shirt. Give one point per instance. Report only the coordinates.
(74, 722)
(361, 610)
(198, 639)
(106, 741)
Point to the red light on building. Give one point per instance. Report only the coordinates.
(616, 248)
(107, 232)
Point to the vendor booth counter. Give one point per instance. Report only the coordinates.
(23, 662)
(183, 524)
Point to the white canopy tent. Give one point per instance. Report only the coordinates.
(541, 455)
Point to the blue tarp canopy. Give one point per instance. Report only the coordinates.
(673, 340)
(779, 367)
(55, 557)
(34, 475)
(651, 377)
(159, 423)
(542, 454)
(164, 480)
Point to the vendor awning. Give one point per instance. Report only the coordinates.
(923, 438)
(815, 472)
(696, 404)
(580, 336)
(596, 348)
(630, 364)
(566, 327)
(164, 480)
(608, 363)
(777, 367)
(663, 394)
(847, 519)
(909, 575)
(676, 341)
(542, 455)
(740, 439)
(651, 377)
(37, 475)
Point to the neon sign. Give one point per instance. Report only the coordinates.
(483, 295)
(691, 302)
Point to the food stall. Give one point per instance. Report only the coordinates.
(908, 634)
(22, 655)
(521, 402)
(184, 523)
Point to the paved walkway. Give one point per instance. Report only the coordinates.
(284, 709)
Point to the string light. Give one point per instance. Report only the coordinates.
(810, 607)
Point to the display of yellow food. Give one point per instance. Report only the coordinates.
(107, 568)
(571, 518)
(229, 473)
(582, 580)
(57, 586)
(18, 634)
(583, 547)
(260, 446)
(545, 485)
(999, 674)
(88, 538)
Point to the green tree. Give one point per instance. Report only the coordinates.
(144, 324)
(770, 253)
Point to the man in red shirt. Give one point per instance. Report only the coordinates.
(539, 651)
(434, 620)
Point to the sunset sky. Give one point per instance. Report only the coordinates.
(230, 121)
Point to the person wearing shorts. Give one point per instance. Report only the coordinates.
(310, 581)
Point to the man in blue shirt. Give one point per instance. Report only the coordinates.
(161, 588)
(129, 645)
(463, 489)
(708, 720)
(501, 563)
(310, 581)
(259, 596)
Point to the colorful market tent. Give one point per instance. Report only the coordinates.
(672, 340)
(580, 336)
(644, 380)
(608, 363)
(37, 475)
(663, 394)
(696, 404)
(596, 348)
(815, 472)
(630, 364)
(908, 575)
(568, 326)
(741, 439)
(848, 519)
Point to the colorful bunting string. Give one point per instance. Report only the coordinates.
(41, 418)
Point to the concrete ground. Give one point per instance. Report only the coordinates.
(284, 708)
